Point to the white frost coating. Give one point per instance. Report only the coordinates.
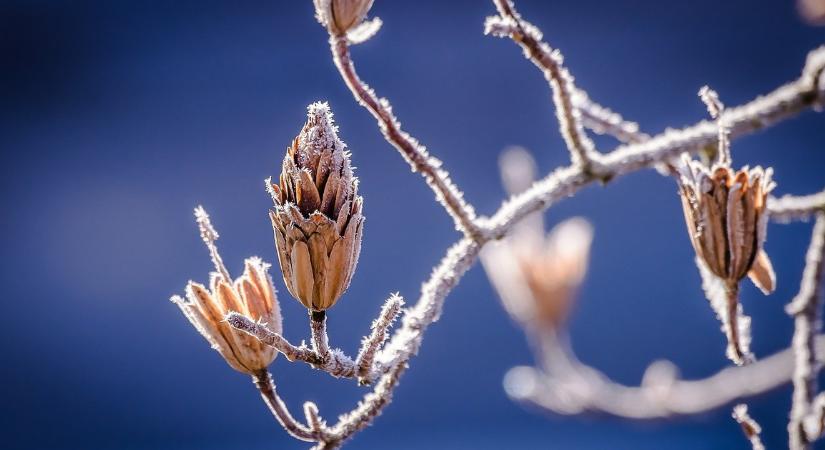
(737, 328)
(806, 309)
(789, 207)
(750, 428)
(551, 62)
(405, 342)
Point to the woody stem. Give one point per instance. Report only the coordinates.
(732, 304)
(263, 381)
(318, 329)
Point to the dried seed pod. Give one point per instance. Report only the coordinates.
(340, 16)
(317, 219)
(727, 220)
(252, 294)
(538, 283)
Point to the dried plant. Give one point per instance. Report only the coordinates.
(318, 224)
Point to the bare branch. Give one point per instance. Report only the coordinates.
(509, 23)
(318, 333)
(413, 152)
(334, 362)
(806, 309)
(373, 342)
(789, 207)
(567, 386)
(750, 428)
(602, 120)
(265, 384)
(766, 110)
(724, 299)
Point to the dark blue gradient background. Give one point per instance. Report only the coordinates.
(117, 118)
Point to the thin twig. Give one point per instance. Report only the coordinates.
(764, 111)
(265, 384)
(509, 23)
(750, 427)
(789, 207)
(380, 328)
(416, 154)
(602, 120)
(806, 310)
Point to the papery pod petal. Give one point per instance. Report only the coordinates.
(309, 200)
(736, 233)
(762, 274)
(302, 277)
(319, 258)
(229, 299)
(323, 172)
(338, 260)
(330, 190)
(714, 234)
(202, 324)
(343, 218)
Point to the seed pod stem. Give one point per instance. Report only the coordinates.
(318, 329)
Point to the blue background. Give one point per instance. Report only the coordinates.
(117, 118)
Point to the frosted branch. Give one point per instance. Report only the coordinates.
(318, 333)
(724, 299)
(336, 363)
(806, 310)
(764, 111)
(509, 23)
(567, 386)
(413, 152)
(750, 428)
(265, 384)
(210, 236)
(789, 207)
(602, 120)
(380, 328)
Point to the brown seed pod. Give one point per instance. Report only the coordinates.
(726, 219)
(340, 16)
(252, 294)
(317, 218)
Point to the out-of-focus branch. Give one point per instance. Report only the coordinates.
(416, 154)
(806, 309)
(789, 207)
(509, 23)
(750, 428)
(380, 328)
(567, 386)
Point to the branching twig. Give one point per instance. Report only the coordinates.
(416, 154)
(806, 309)
(790, 207)
(320, 356)
(750, 428)
(380, 327)
(509, 23)
(263, 381)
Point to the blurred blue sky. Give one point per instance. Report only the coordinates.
(117, 118)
